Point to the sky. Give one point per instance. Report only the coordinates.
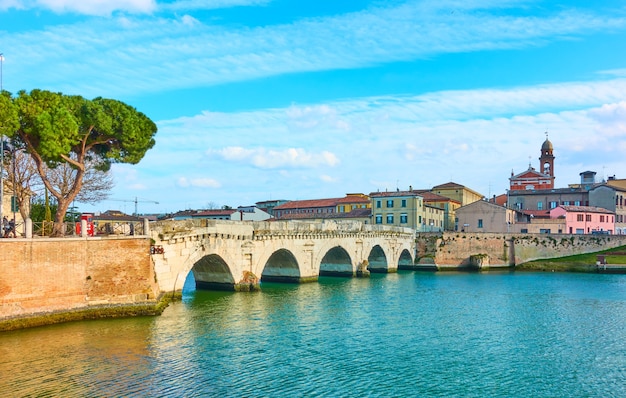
(259, 100)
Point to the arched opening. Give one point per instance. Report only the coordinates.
(212, 273)
(405, 262)
(336, 262)
(282, 266)
(377, 260)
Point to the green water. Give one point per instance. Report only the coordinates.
(397, 335)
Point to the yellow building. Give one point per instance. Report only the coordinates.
(353, 201)
(458, 192)
(405, 209)
(446, 204)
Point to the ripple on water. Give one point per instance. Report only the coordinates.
(407, 334)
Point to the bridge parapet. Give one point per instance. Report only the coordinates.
(303, 228)
(167, 230)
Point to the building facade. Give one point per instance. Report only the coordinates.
(457, 192)
(546, 199)
(585, 219)
(405, 209)
(611, 196)
(484, 216)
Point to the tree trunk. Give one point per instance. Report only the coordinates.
(59, 217)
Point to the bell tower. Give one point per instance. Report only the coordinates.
(546, 160)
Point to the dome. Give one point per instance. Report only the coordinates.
(547, 146)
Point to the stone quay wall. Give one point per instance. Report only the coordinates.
(43, 276)
(453, 249)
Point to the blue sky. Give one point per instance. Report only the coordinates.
(285, 99)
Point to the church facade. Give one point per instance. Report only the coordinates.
(532, 179)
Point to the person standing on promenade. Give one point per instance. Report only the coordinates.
(5, 227)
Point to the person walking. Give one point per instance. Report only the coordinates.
(12, 228)
(5, 227)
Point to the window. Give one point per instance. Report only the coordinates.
(403, 202)
(588, 217)
(544, 231)
(601, 218)
(480, 223)
(579, 217)
(379, 218)
(342, 209)
(404, 218)
(379, 204)
(553, 205)
(577, 203)
(539, 205)
(389, 218)
(566, 203)
(390, 203)
(580, 231)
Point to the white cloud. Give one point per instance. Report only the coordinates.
(272, 159)
(87, 7)
(185, 182)
(327, 178)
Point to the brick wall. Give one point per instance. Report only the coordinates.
(46, 275)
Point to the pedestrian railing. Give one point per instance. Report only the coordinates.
(73, 229)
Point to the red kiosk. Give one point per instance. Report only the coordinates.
(89, 218)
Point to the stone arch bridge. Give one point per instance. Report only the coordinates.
(238, 255)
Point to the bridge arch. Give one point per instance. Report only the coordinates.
(211, 272)
(406, 260)
(282, 266)
(336, 262)
(377, 260)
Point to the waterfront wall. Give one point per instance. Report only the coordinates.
(453, 249)
(42, 276)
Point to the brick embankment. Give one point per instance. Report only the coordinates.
(55, 280)
(454, 249)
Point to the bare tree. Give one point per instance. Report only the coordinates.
(96, 183)
(21, 178)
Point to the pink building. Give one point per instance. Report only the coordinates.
(585, 219)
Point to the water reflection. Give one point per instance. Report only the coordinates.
(404, 334)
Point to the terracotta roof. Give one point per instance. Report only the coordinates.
(307, 204)
(536, 213)
(356, 213)
(433, 197)
(354, 199)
